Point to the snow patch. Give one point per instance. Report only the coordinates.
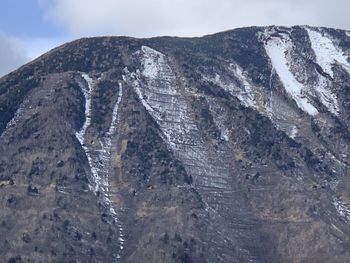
(342, 209)
(226, 134)
(293, 133)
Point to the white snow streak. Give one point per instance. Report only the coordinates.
(87, 90)
(12, 123)
(277, 49)
(115, 116)
(246, 95)
(99, 160)
(327, 97)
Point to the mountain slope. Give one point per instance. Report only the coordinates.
(227, 148)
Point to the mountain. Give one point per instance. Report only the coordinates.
(232, 147)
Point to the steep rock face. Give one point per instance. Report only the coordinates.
(227, 148)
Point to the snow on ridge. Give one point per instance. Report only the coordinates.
(277, 48)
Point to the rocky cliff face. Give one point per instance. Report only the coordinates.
(232, 147)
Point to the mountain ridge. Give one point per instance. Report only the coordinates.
(164, 36)
(231, 147)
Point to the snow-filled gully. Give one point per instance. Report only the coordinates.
(99, 159)
(326, 55)
(277, 49)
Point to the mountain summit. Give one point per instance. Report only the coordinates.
(232, 147)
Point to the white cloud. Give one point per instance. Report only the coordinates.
(38, 46)
(12, 53)
(144, 18)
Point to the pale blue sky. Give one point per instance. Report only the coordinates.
(26, 32)
(26, 18)
(29, 28)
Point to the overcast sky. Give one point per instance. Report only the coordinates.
(29, 28)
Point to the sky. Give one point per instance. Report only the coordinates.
(29, 28)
